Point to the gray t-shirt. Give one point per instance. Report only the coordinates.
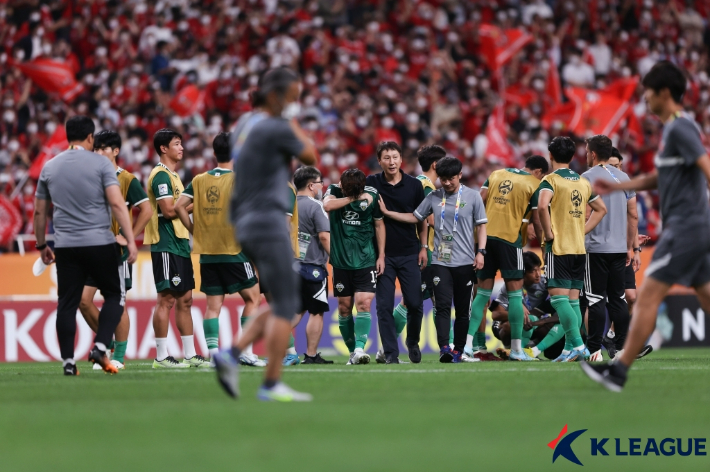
(681, 184)
(535, 294)
(75, 182)
(312, 219)
(262, 149)
(472, 212)
(609, 236)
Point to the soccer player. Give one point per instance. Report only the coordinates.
(224, 269)
(313, 252)
(511, 197)
(682, 254)
(108, 144)
(170, 252)
(355, 222)
(262, 148)
(565, 193)
(427, 156)
(457, 210)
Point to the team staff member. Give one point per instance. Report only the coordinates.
(566, 193)
(457, 210)
(224, 269)
(610, 250)
(313, 252)
(82, 186)
(170, 252)
(108, 144)
(405, 252)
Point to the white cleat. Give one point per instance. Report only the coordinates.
(380, 357)
(466, 358)
(97, 366)
(350, 361)
(252, 360)
(617, 357)
(117, 364)
(596, 356)
(360, 356)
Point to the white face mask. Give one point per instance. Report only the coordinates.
(292, 110)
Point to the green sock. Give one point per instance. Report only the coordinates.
(481, 341)
(363, 321)
(211, 328)
(400, 318)
(111, 345)
(347, 331)
(291, 341)
(516, 315)
(243, 320)
(578, 313)
(554, 335)
(120, 351)
(478, 308)
(568, 320)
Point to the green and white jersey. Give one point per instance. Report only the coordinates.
(352, 231)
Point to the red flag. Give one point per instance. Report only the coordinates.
(519, 95)
(500, 46)
(53, 77)
(602, 112)
(498, 146)
(10, 221)
(623, 88)
(53, 146)
(553, 88)
(633, 128)
(564, 116)
(188, 101)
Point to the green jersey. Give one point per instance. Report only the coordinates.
(162, 186)
(352, 231)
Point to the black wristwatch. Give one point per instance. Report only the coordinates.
(637, 249)
(482, 251)
(39, 248)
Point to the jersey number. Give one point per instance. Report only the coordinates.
(374, 276)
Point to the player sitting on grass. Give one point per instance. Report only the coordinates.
(108, 143)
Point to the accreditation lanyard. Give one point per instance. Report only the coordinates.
(77, 147)
(610, 173)
(456, 211)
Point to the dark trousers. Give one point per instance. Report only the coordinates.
(604, 288)
(453, 284)
(74, 264)
(406, 269)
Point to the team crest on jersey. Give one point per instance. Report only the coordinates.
(423, 287)
(176, 280)
(213, 194)
(576, 202)
(340, 287)
(505, 187)
(316, 273)
(437, 280)
(363, 205)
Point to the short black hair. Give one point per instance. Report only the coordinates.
(221, 147)
(601, 145)
(276, 80)
(79, 127)
(562, 149)
(537, 162)
(531, 260)
(304, 176)
(352, 183)
(427, 155)
(615, 153)
(448, 167)
(665, 74)
(387, 146)
(162, 137)
(107, 139)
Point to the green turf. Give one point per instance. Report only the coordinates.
(484, 416)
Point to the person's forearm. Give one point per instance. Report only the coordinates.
(332, 203)
(120, 212)
(593, 221)
(146, 212)
(423, 233)
(546, 225)
(632, 230)
(40, 224)
(325, 241)
(402, 217)
(381, 236)
(643, 182)
(537, 226)
(482, 237)
(184, 217)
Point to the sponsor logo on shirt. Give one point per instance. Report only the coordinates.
(576, 199)
(351, 218)
(162, 189)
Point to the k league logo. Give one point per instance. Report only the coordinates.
(563, 445)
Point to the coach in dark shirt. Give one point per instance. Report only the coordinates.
(405, 251)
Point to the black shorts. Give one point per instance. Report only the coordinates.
(629, 277)
(566, 271)
(222, 278)
(314, 296)
(128, 277)
(347, 283)
(504, 257)
(172, 272)
(681, 257)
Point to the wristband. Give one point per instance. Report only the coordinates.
(40, 247)
(637, 249)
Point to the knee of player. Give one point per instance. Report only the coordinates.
(186, 300)
(85, 304)
(631, 296)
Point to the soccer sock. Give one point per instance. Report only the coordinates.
(516, 316)
(120, 350)
(477, 311)
(188, 346)
(247, 350)
(554, 335)
(347, 331)
(469, 341)
(161, 346)
(211, 328)
(451, 335)
(481, 341)
(568, 320)
(111, 345)
(400, 318)
(291, 342)
(578, 313)
(363, 321)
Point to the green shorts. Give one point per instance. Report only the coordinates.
(223, 278)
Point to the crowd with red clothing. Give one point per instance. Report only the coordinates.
(491, 80)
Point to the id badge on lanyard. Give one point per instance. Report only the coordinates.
(304, 240)
(446, 244)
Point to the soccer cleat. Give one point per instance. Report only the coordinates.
(282, 393)
(608, 375)
(415, 354)
(169, 363)
(350, 361)
(119, 365)
(446, 354)
(608, 344)
(486, 356)
(456, 357)
(503, 353)
(576, 355)
(521, 356)
(97, 367)
(529, 352)
(618, 355)
(196, 361)
(395, 360)
(466, 358)
(596, 357)
(360, 356)
(562, 357)
(291, 359)
(99, 357)
(380, 357)
(252, 360)
(70, 369)
(317, 359)
(227, 368)
(647, 349)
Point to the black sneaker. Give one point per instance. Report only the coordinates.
(97, 356)
(608, 374)
(317, 359)
(647, 349)
(609, 345)
(70, 369)
(395, 360)
(415, 355)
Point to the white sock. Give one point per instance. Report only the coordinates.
(291, 350)
(68, 361)
(610, 334)
(565, 352)
(469, 341)
(161, 345)
(188, 346)
(248, 351)
(579, 348)
(536, 351)
(213, 351)
(101, 347)
(516, 345)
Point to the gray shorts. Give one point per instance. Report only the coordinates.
(681, 257)
(273, 258)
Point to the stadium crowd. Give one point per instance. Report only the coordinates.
(407, 71)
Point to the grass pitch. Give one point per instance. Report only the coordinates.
(484, 416)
